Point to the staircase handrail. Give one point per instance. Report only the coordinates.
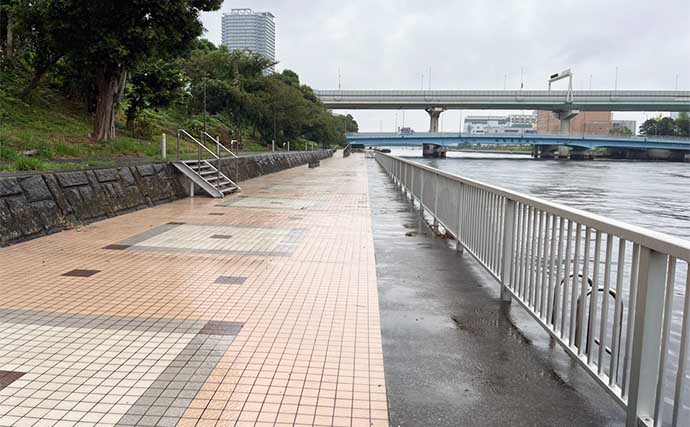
(218, 143)
(201, 145)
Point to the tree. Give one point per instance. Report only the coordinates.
(661, 126)
(154, 84)
(683, 124)
(621, 131)
(7, 28)
(347, 123)
(111, 38)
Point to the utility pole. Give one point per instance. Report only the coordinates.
(205, 124)
(615, 85)
(275, 130)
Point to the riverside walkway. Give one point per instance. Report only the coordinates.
(264, 309)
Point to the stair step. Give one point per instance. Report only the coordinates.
(228, 190)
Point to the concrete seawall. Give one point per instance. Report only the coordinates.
(33, 205)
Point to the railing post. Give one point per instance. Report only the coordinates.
(218, 164)
(164, 146)
(507, 255)
(436, 180)
(461, 207)
(649, 312)
(421, 191)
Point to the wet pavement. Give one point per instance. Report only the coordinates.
(454, 354)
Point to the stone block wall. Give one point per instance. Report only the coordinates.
(33, 205)
(246, 168)
(38, 204)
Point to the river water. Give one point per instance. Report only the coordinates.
(654, 195)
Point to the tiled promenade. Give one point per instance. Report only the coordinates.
(261, 309)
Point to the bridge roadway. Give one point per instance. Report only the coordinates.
(585, 100)
(452, 139)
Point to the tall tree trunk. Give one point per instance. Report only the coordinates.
(110, 84)
(9, 42)
(39, 72)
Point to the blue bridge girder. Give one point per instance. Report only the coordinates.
(452, 139)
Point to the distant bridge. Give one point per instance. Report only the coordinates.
(541, 142)
(584, 100)
(566, 104)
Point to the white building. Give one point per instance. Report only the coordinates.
(514, 123)
(628, 124)
(244, 29)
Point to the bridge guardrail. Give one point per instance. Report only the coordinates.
(615, 296)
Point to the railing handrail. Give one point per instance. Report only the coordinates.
(219, 144)
(187, 134)
(661, 242)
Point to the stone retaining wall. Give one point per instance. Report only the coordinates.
(33, 205)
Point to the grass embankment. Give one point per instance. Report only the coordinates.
(49, 133)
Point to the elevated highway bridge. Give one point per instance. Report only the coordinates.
(565, 104)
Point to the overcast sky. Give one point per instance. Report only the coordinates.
(386, 44)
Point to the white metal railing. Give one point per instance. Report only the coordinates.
(614, 295)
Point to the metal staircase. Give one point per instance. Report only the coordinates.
(203, 172)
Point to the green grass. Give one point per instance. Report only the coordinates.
(49, 133)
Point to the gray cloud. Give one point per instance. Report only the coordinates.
(386, 44)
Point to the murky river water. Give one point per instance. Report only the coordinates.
(654, 195)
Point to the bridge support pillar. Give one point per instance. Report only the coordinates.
(563, 152)
(581, 154)
(686, 157)
(434, 115)
(433, 150)
(565, 117)
(551, 152)
(660, 154)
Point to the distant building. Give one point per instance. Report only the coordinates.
(244, 29)
(514, 123)
(585, 123)
(624, 124)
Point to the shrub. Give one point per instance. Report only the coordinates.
(23, 163)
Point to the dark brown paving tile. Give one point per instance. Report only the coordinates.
(117, 247)
(8, 377)
(176, 223)
(217, 327)
(230, 280)
(216, 213)
(81, 273)
(221, 236)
